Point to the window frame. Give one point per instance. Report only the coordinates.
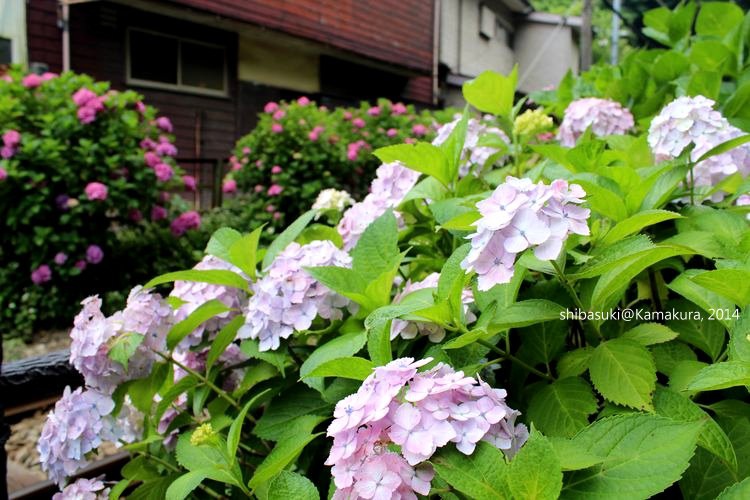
(178, 87)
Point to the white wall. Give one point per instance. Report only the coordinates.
(545, 52)
(13, 26)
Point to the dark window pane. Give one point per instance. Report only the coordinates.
(202, 66)
(153, 57)
(5, 51)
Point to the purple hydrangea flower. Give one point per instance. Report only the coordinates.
(472, 155)
(94, 254)
(84, 489)
(605, 118)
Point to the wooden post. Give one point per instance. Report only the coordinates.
(586, 35)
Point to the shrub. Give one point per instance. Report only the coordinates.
(298, 149)
(78, 162)
(580, 330)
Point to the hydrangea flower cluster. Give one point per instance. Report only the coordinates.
(391, 184)
(194, 294)
(532, 122)
(96, 191)
(743, 201)
(692, 120)
(84, 489)
(185, 222)
(41, 274)
(89, 105)
(332, 199)
(520, 215)
(93, 333)
(420, 412)
(79, 423)
(410, 329)
(11, 140)
(288, 299)
(472, 154)
(605, 118)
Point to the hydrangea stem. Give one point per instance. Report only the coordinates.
(507, 355)
(571, 291)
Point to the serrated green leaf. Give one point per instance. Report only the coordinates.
(535, 471)
(221, 241)
(572, 457)
(349, 367)
(284, 409)
(574, 363)
(479, 475)
(244, 252)
(733, 284)
(563, 407)
(289, 485)
(377, 248)
(635, 223)
(339, 347)
(185, 484)
(491, 92)
(643, 455)
(717, 18)
(284, 453)
(650, 333)
(739, 338)
(235, 430)
(222, 340)
(613, 256)
(251, 349)
(721, 376)
(201, 314)
(525, 313)
(739, 491)
(623, 371)
(422, 157)
(124, 346)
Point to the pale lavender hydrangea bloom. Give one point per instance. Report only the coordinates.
(92, 335)
(710, 172)
(420, 412)
(195, 294)
(680, 123)
(605, 118)
(288, 299)
(520, 215)
(79, 423)
(410, 329)
(742, 201)
(472, 155)
(84, 489)
(391, 184)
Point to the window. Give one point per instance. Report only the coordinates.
(6, 54)
(163, 61)
(486, 22)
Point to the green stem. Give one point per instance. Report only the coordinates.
(576, 299)
(507, 355)
(222, 393)
(692, 185)
(172, 468)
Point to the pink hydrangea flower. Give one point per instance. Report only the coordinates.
(60, 258)
(12, 138)
(275, 190)
(419, 130)
(189, 182)
(135, 215)
(48, 75)
(276, 169)
(41, 274)
(32, 81)
(419, 412)
(358, 122)
(185, 222)
(158, 213)
(84, 489)
(398, 109)
(374, 111)
(270, 208)
(258, 188)
(605, 118)
(163, 172)
(94, 254)
(287, 299)
(276, 215)
(165, 148)
(520, 215)
(165, 124)
(3, 174)
(277, 128)
(473, 156)
(151, 159)
(140, 107)
(279, 114)
(82, 96)
(303, 101)
(270, 107)
(391, 132)
(229, 186)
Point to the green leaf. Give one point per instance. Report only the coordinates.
(319, 232)
(244, 252)
(214, 277)
(453, 147)
(428, 188)
(491, 92)
(571, 457)
(377, 248)
(349, 367)
(678, 407)
(699, 295)
(479, 475)
(733, 284)
(563, 407)
(182, 385)
(235, 430)
(525, 313)
(297, 402)
(289, 485)
(283, 454)
(612, 257)
(717, 18)
(421, 157)
(185, 484)
(221, 241)
(669, 66)
(202, 313)
(535, 470)
(251, 349)
(643, 455)
(339, 347)
(286, 237)
(724, 147)
(721, 376)
(650, 333)
(225, 337)
(708, 336)
(739, 338)
(462, 222)
(124, 346)
(623, 371)
(574, 363)
(635, 223)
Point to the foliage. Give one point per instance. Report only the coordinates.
(580, 330)
(299, 149)
(73, 169)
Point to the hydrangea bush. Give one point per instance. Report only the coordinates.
(299, 149)
(536, 321)
(78, 160)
